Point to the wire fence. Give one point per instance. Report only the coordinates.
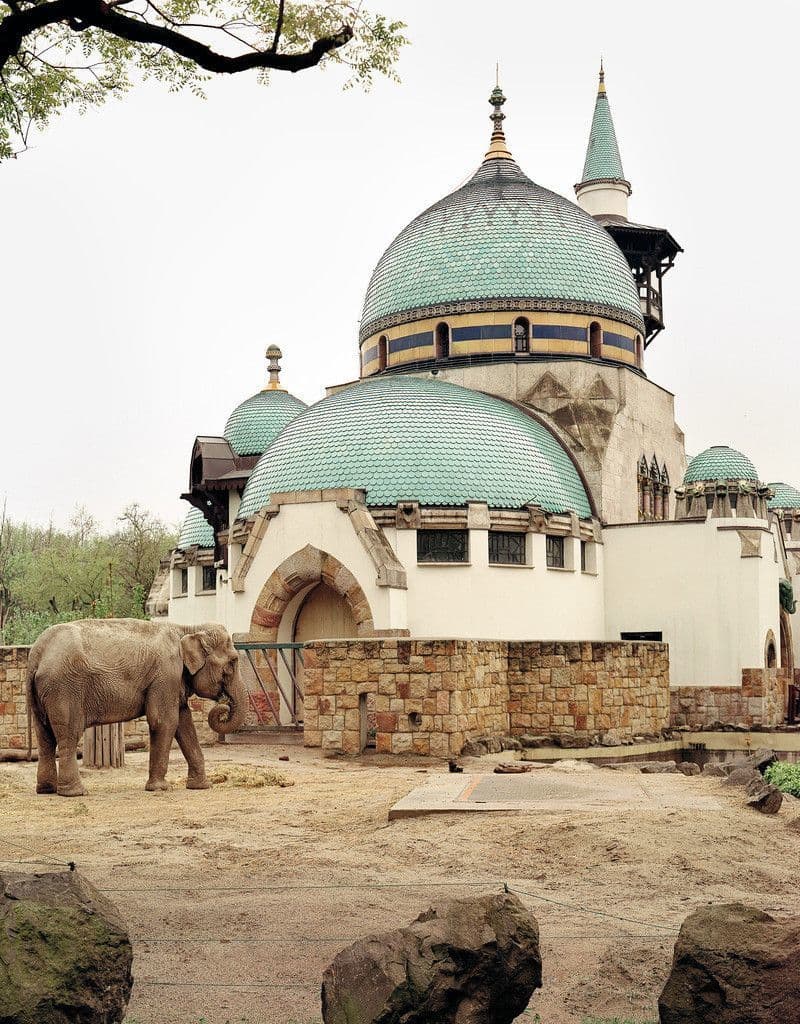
(620, 927)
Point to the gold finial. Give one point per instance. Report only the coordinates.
(498, 150)
(601, 88)
(274, 355)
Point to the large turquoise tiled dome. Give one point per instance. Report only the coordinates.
(254, 425)
(419, 439)
(501, 237)
(785, 496)
(195, 530)
(720, 463)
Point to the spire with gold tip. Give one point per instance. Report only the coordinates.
(498, 150)
(274, 356)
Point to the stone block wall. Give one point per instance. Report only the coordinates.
(14, 711)
(13, 702)
(760, 700)
(431, 696)
(588, 690)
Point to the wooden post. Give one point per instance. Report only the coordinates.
(104, 746)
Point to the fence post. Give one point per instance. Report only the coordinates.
(104, 746)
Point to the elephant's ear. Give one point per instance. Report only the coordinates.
(194, 651)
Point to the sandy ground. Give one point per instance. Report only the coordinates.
(237, 898)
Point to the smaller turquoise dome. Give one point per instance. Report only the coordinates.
(785, 496)
(720, 463)
(419, 439)
(254, 425)
(195, 530)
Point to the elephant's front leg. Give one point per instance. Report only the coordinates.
(190, 746)
(163, 724)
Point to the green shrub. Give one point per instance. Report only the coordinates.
(785, 776)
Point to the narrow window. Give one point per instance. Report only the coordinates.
(595, 340)
(639, 352)
(209, 577)
(555, 552)
(506, 548)
(583, 556)
(442, 545)
(442, 341)
(772, 658)
(522, 334)
(382, 352)
(183, 581)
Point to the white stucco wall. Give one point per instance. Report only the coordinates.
(479, 600)
(195, 606)
(471, 600)
(688, 580)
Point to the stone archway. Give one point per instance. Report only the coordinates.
(301, 570)
(786, 645)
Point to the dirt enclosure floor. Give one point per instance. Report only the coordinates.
(238, 897)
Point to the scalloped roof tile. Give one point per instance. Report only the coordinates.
(195, 529)
(255, 423)
(786, 496)
(720, 463)
(501, 236)
(415, 439)
(602, 153)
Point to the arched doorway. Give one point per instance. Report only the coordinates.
(286, 606)
(595, 340)
(323, 614)
(442, 341)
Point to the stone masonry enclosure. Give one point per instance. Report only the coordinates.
(431, 696)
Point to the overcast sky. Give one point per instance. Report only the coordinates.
(152, 249)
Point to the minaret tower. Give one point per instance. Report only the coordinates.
(603, 189)
(603, 193)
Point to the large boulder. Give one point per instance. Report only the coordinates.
(733, 964)
(467, 961)
(65, 955)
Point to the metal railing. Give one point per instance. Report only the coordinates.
(291, 696)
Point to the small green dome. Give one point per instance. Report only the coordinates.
(785, 496)
(720, 463)
(419, 439)
(254, 425)
(499, 237)
(195, 530)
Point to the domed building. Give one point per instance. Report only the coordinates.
(492, 506)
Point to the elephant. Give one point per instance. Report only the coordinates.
(99, 671)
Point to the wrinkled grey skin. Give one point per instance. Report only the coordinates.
(98, 671)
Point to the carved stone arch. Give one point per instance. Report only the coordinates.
(786, 644)
(303, 569)
(770, 651)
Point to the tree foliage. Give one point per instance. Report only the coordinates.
(49, 575)
(60, 53)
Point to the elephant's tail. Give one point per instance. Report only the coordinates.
(32, 704)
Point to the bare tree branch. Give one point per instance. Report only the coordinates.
(82, 14)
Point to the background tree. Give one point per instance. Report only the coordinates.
(58, 53)
(49, 575)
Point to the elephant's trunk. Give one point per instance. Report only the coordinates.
(229, 716)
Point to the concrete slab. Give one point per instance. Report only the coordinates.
(581, 788)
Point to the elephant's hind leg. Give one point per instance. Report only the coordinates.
(190, 748)
(68, 724)
(46, 771)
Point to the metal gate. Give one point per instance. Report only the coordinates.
(291, 695)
